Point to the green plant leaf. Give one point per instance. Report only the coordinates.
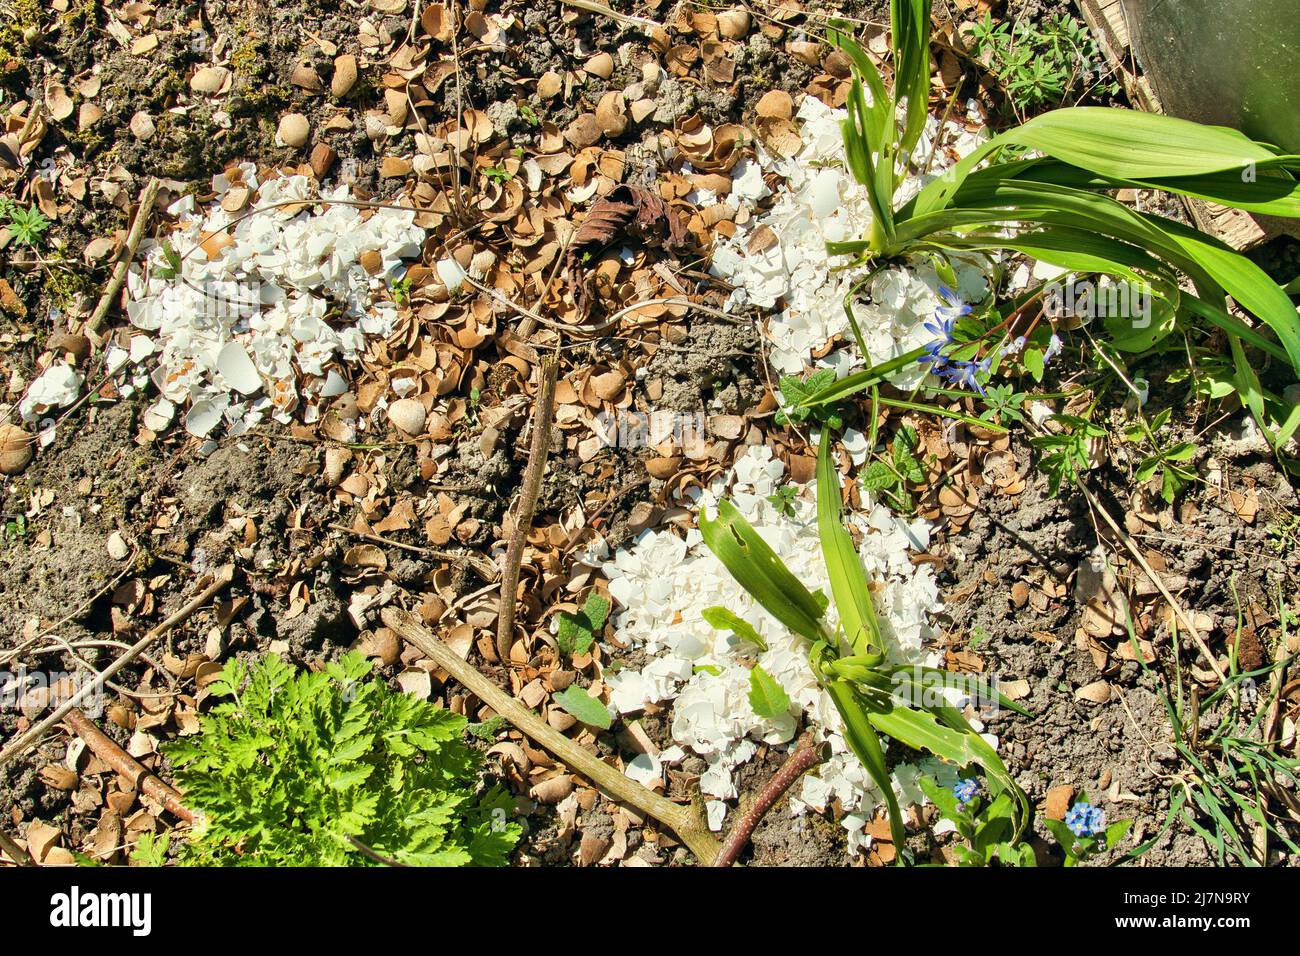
(580, 704)
(723, 620)
(843, 566)
(768, 698)
(852, 384)
(758, 569)
(1127, 144)
(862, 740)
(910, 30)
(576, 632)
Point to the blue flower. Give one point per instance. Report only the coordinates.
(1013, 347)
(1085, 820)
(953, 307)
(963, 374)
(1053, 348)
(941, 328)
(965, 790)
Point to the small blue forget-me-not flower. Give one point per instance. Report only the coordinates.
(965, 790)
(1085, 820)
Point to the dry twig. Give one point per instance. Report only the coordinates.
(130, 769)
(543, 412)
(133, 237)
(682, 820)
(804, 757)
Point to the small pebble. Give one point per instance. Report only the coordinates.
(293, 130)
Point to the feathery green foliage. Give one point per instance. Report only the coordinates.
(291, 768)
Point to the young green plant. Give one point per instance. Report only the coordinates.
(872, 695)
(1056, 209)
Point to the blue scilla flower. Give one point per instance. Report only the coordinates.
(1053, 348)
(1085, 820)
(963, 374)
(941, 327)
(953, 308)
(965, 790)
(1013, 347)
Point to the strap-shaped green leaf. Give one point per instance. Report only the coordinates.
(856, 382)
(954, 740)
(843, 566)
(1272, 190)
(761, 572)
(910, 22)
(1120, 145)
(862, 740)
(1127, 144)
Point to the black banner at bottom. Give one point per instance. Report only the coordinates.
(173, 905)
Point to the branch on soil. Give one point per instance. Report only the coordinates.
(138, 225)
(804, 757)
(682, 820)
(138, 776)
(23, 741)
(543, 412)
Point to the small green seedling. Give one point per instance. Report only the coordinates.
(172, 263)
(1167, 461)
(890, 475)
(27, 226)
(1065, 454)
(577, 631)
(783, 500)
(529, 115)
(400, 290)
(986, 825)
(1002, 404)
(1042, 64)
(795, 390)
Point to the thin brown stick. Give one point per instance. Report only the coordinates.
(591, 7)
(16, 851)
(127, 767)
(682, 820)
(805, 756)
(23, 741)
(373, 854)
(543, 412)
(133, 237)
(1136, 553)
(485, 568)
